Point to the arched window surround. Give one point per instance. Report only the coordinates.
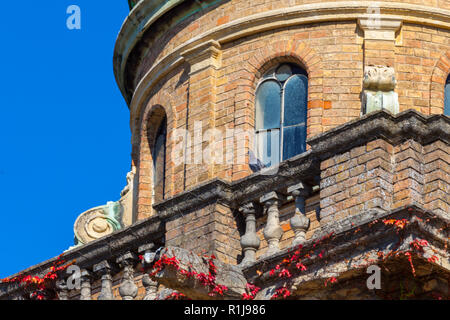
(159, 161)
(153, 154)
(281, 97)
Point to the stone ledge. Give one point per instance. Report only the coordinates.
(408, 124)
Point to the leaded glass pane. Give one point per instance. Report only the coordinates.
(295, 100)
(159, 161)
(268, 147)
(294, 141)
(283, 72)
(268, 105)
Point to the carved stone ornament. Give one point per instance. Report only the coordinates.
(379, 84)
(130, 177)
(97, 222)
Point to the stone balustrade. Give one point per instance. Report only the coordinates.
(369, 168)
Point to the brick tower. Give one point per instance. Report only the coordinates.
(313, 132)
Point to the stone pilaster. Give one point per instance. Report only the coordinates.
(204, 60)
(379, 39)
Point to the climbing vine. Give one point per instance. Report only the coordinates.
(41, 288)
(208, 280)
(294, 264)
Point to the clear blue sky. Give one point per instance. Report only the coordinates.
(64, 126)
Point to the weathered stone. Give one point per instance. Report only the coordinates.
(228, 275)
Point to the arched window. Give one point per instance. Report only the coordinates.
(159, 161)
(280, 119)
(447, 97)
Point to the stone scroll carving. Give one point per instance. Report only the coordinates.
(97, 222)
(379, 84)
(101, 221)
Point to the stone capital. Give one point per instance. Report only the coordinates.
(146, 247)
(378, 27)
(270, 198)
(299, 190)
(248, 208)
(127, 259)
(103, 268)
(205, 55)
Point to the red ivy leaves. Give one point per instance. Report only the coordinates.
(417, 246)
(282, 292)
(399, 224)
(41, 286)
(252, 290)
(176, 296)
(207, 280)
(330, 280)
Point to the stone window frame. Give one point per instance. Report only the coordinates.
(270, 68)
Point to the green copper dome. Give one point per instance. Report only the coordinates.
(132, 3)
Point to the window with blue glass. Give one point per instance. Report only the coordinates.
(280, 118)
(159, 161)
(447, 97)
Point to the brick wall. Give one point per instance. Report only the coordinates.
(333, 54)
(381, 176)
(208, 230)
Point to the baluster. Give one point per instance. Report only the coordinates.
(85, 292)
(272, 232)
(63, 293)
(128, 289)
(249, 241)
(299, 222)
(103, 269)
(151, 286)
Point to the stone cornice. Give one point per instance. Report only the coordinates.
(382, 124)
(203, 194)
(146, 13)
